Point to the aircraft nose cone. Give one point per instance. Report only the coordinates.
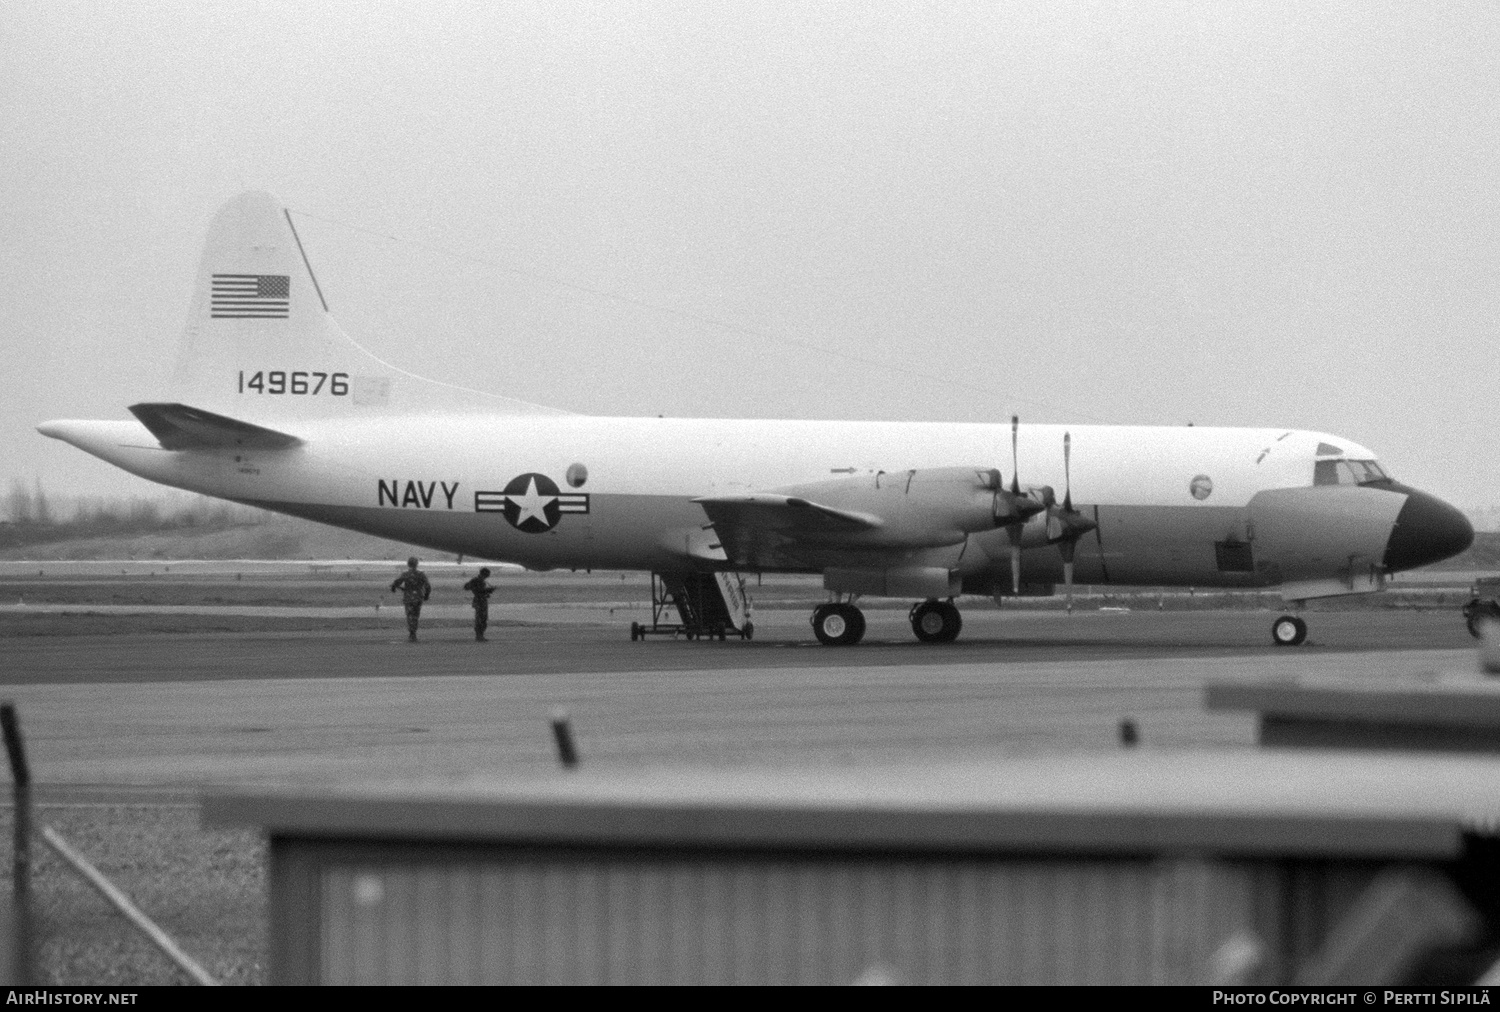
(1427, 530)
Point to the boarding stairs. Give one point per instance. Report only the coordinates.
(705, 606)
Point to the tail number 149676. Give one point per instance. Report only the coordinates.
(279, 381)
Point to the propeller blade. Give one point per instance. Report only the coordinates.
(1067, 472)
(1066, 548)
(1018, 508)
(1099, 540)
(1015, 467)
(1070, 525)
(1065, 525)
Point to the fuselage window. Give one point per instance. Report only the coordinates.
(1347, 472)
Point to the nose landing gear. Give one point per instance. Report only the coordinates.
(1484, 607)
(1288, 631)
(936, 621)
(838, 624)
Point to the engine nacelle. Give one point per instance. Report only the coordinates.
(907, 581)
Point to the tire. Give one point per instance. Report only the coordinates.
(956, 623)
(1288, 631)
(635, 631)
(838, 625)
(927, 622)
(858, 618)
(936, 621)
(748, 633)
(1480, 613)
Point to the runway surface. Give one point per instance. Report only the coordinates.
(538, 639)
(174, 712)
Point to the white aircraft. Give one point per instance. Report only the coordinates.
(275, 407)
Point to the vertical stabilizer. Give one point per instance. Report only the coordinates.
(260, 342)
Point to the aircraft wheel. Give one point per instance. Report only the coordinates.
(838, 625)
(1288, 631)
(955, 624)
(1478, 614)
(936, 621)
(748, 632)
(858, 618)
(635, 631)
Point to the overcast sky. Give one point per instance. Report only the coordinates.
(1116, 212)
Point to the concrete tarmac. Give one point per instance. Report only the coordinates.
(184, 711)
(553, 641)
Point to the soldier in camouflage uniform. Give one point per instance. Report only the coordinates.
(414, 590)
(481, 591)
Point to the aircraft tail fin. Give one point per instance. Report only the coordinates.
(260, 342)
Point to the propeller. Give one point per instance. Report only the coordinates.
(1012, 508)
(1065, 525)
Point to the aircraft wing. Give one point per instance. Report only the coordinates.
(766, 528)
(179, 427)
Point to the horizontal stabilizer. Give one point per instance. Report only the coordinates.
(179, 427)
(787, 512)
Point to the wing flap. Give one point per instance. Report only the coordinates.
(179, 427)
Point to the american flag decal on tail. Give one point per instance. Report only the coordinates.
(250, 296)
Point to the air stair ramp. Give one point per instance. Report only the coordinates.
(705, 606)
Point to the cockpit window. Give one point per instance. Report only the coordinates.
(1347, 472)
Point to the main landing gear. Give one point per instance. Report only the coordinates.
(838, 624)
(1288, 631)
(936, 621)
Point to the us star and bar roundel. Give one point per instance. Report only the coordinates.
(532, 503)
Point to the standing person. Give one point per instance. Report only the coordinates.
(481, 591)
(414, 590)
